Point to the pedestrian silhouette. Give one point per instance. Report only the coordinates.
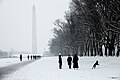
(75, 61)
(31, 57)
(35, 56)
(69, 60)
(28, 57)
(60, 61)
(20, 57)
(117, 53)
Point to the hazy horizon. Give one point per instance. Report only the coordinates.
(16, 22)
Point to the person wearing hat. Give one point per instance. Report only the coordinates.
(60, 61)
(69, 60)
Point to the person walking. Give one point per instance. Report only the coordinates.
(60, 61)
(75, 61)
(20, 57)
(69, 60)
(28, 57)
(31, 57)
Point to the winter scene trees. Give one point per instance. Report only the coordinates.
(82, 44)
(90, 28)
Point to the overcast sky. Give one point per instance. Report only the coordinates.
(16, 22)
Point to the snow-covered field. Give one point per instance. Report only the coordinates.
(46, 68)
(10, 61)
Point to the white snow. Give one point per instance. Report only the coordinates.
(9, 61)
(46, 68)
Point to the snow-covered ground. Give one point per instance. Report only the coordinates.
(46, 68)
(15, 59)
(10, 61)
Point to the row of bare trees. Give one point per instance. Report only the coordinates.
(89, 25)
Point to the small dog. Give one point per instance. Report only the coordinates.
(95, 64)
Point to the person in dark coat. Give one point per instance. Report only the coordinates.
(69, 60)
(31, 57)
(20, 57)
(60, 61)
(28, 57)
(75, 61)
(117, 53)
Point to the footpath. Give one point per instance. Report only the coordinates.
(10, 65)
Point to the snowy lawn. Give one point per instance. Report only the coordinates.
(9, 61)
(46, 68)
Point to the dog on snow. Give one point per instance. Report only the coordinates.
(95, 64)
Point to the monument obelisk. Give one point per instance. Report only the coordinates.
(34, 33)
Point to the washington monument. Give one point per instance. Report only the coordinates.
(34, 34)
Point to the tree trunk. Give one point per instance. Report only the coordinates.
(91, 51)
(100, 50)
(95, 51)
(88, 50)
(106, 51)
(110, 50)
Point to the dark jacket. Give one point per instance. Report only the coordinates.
(75, 61)
(60, 59)
(69, 59)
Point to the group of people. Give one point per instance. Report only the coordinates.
(75, 62)
(69, 60)
(32, 57)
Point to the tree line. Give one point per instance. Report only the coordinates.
(89, 25)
